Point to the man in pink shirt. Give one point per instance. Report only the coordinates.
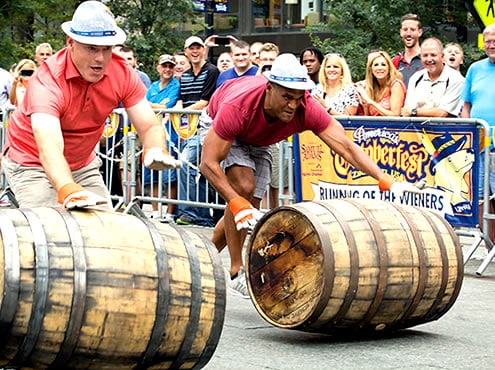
(244, 117)
(49, 157)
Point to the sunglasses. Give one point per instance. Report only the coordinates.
(26, 73)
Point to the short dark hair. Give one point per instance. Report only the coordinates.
(241, 44)
(411, 17)
(315, 51)
(127, 49)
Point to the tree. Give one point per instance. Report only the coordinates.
(359, 26)
(153, 27)
(29, 22)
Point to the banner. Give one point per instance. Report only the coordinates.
(215, 6)
(443, 157)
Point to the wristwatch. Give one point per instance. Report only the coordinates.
(414, 112)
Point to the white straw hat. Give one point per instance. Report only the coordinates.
(94, 24)
(286, 71)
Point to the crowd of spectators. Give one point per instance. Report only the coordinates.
(423, 80)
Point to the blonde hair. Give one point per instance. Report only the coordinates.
(22, 65)
(372, 85)
(339, 60)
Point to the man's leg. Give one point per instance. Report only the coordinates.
(242, 180)
(30, 185)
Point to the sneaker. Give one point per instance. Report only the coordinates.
(238, 285)
(185, 220)
(168, 219)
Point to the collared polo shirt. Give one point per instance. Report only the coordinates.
(407, 69)
(443, 93)
(59, 90)
(194, 88)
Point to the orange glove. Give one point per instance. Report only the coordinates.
(385, 183)
(73, 195)
(245, 215)
(388, 183)
(156, 159)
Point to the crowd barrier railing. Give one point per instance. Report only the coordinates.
(120, 148)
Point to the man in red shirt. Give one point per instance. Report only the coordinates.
(243, 118)
(49, 157)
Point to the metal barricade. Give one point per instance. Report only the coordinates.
(180, 127)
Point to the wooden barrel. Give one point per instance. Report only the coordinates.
(345, 266)
(105, 290)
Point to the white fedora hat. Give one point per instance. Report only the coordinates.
(94, 24)
(286, 71)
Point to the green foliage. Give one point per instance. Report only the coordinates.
(153, 27)
(359, 26)
(27, 23)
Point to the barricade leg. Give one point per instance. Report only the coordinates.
(9, 194)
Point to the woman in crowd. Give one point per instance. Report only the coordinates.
(384, 93)
(22, 73)
(335, 91)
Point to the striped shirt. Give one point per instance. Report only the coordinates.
(201, 87)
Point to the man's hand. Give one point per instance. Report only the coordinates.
(245, 215)
(156, 159)
(399, 188)
(73, 195)
(388, 183)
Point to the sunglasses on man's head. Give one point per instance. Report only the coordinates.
(26, 73)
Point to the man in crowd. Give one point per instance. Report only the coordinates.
(42, 53)
(197, 85)
(242, 63)
(163, 94)
(434, 91)
(312, 58)
(129, 54)
(181, 64)
(49, 156)
(243, 118)
(409, 61)
(479, 96)
(268, 52)
(254, 50)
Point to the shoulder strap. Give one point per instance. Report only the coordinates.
(396, 60)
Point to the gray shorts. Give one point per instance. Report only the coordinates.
(259, 158)
(32, 188)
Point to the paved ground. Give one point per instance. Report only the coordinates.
(461, 339)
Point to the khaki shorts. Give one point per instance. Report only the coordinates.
(32, 188)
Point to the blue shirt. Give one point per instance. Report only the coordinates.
(479, 92)
(230, 74)
(144, 77)
(170, 91)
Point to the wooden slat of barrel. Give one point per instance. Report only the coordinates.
(352, 265)
(121, 292)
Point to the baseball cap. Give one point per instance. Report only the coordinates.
(166, 58)
(286, 71)
(193, 40)
(93, 24)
